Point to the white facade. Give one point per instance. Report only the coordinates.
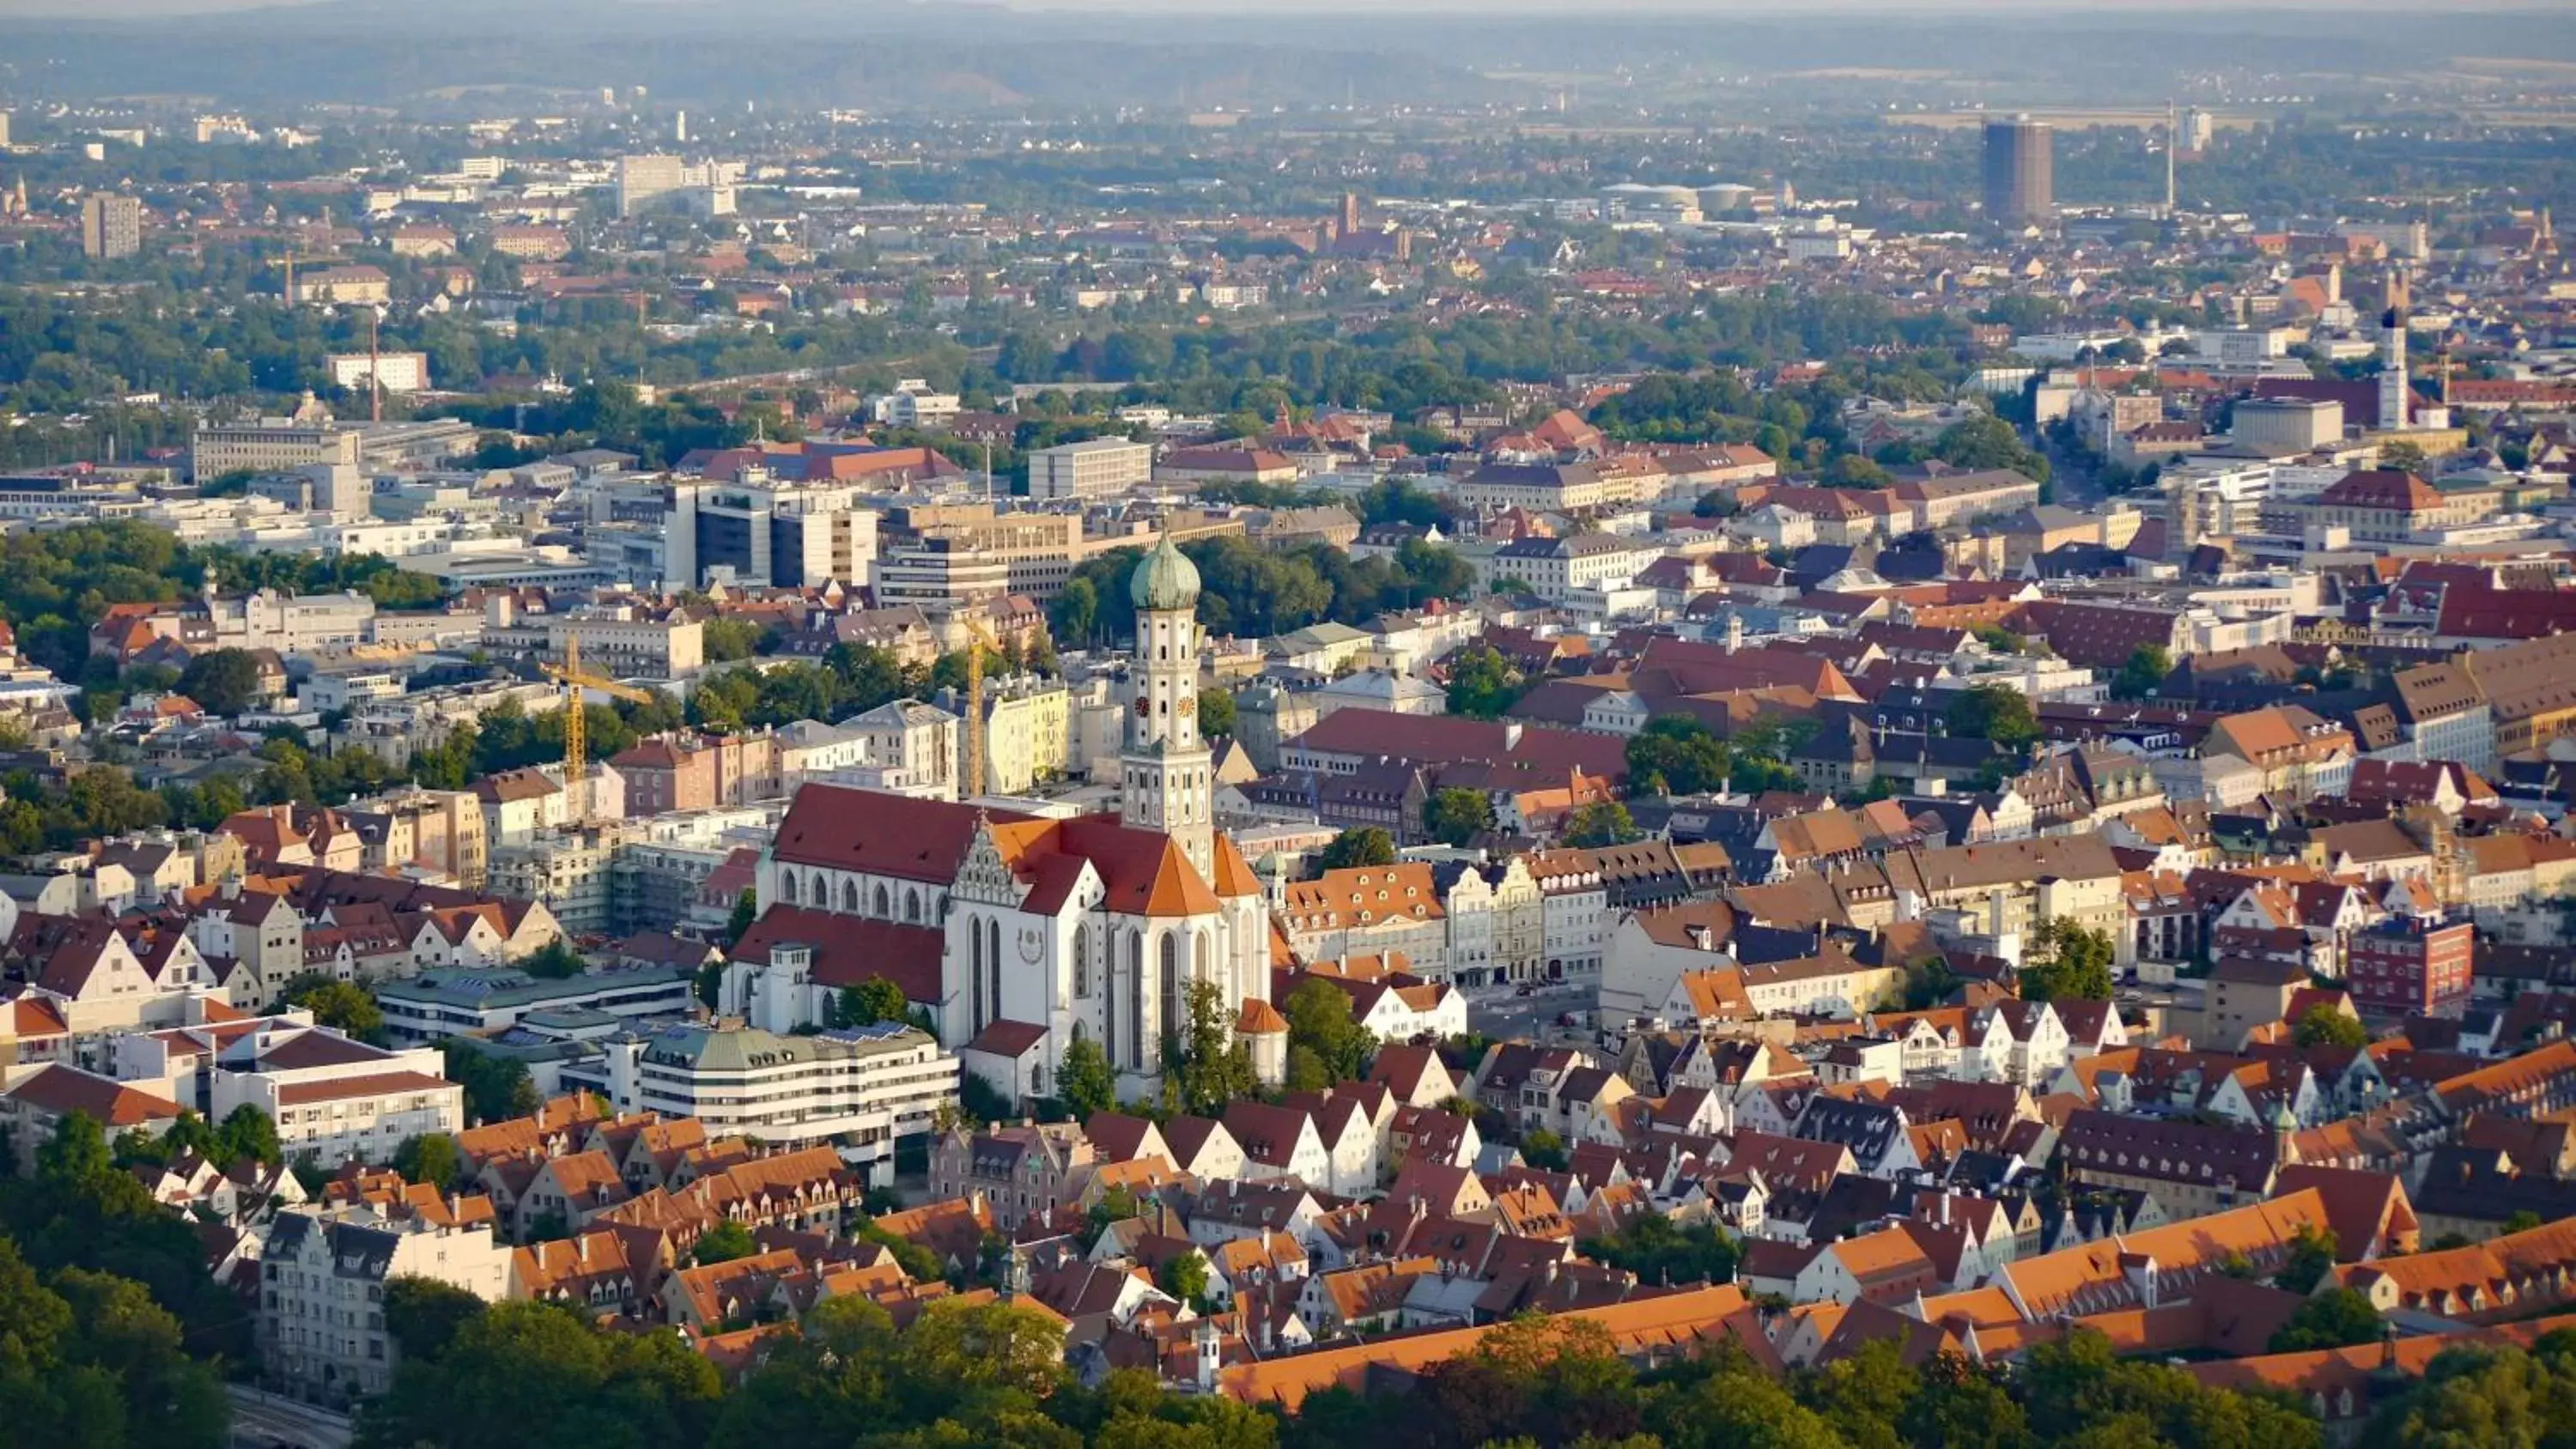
(322, 1281)
(860, 1089)
(394, 371)
(1097, 468)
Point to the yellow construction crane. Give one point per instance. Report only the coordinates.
(977, 638)
(576, 736)
(288, 261)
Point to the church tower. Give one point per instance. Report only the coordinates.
(1168, 775)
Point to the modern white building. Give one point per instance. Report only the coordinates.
(1098, 468)
(859, 1088)
(329, 1095)
(393, 371)
(912, 404)
(436, 1005)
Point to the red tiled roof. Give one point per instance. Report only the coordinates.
(850, 949)
(63, 1090)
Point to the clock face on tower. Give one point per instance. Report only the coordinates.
(1188, 704)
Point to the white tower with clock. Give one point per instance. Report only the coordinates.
(1167, 775)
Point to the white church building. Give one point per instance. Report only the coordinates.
(1043, 931)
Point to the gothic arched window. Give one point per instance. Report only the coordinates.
(1169, 984)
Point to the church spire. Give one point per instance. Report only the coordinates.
(1167, 774)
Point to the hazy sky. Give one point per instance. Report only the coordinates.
(112, 9)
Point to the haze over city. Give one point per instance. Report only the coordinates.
(1688, 726)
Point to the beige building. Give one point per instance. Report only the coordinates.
(111, 226)
(1497, 924)
(2007, 888)
(1037, 551)
(271, 445)
(342, 286)
(1028, 732)
(1368, 911)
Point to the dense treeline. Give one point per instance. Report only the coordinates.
(543, 1376)
(1406, 364)
(1253, 592)
(111, 1330)
(56, 583)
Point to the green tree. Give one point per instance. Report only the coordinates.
(542, 1374)
(1185, 1276)
(1085, 1082)
(1851, 470)
(1989, 442)
(424, 1315)
(1359, 846)
(1482, 683)
(1455, 815)
(2067, 961)
(723, 1243)
(1604, 822)
(725, 640)
(249, 1132)
(2143, 674)
(2312, 1256)
(874, 1000)
(1659, 1252)
(1319, 1020)
(746, 909)
(2336, 1318)
(2325, 1026)
(1543, 1149)
(1994, 712)
(76, 1153)
(555, 960)
(429, 1157)
(1075, 615)
(1207, 1067)
(1678, 751)
(343, 1006)
(225, 681)
(497, 1088)
(1216, 713)
(88, 1358)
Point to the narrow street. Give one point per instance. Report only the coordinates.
(1503, 1014)
(263, 1420)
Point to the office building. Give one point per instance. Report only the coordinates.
(270, 445)
(859, 1088)
(643, 180)
(765, 531)
(1099, 468)
(1038, 550)
(939, 572)
(481, 1001)
(111, 227)
(2020, 172)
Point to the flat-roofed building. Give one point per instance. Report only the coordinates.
(1096, 468)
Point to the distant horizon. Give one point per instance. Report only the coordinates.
(121, 10)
